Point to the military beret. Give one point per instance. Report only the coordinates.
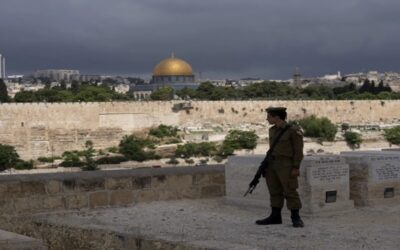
(275, 109)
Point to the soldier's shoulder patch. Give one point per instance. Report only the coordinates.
(298, 130)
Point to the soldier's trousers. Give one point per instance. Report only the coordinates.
(282, 185)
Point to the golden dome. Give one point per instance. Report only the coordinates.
(173, 67)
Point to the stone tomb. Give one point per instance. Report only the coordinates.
(323, 183)
(374, 177)
(239, 171)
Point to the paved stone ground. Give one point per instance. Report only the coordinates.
(9, 240)
(212, 224)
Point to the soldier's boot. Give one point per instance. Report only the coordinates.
(274, 218)
(296, 220)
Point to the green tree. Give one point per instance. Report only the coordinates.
(187, 93)
(205, 90)
(90, 164)
(3, 92)
(88, 93)
(8, 157)
(75, 86)
(392, 135)
(163, 94)
(63, 85)
(321, 128)
(25, 96)
(318, 92)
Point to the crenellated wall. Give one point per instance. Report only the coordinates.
(45, 129)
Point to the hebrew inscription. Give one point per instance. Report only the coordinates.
(386, 171)
(329, 174)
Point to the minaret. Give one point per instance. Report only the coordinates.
(297, 78)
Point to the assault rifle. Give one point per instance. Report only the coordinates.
(264, 164)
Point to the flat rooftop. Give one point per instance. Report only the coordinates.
(213, 224)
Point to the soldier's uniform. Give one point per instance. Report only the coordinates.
(281, 178)
(287, 154)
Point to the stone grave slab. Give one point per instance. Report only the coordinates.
(374, 177)
(239, 171)
(9, 240)
(323, 183)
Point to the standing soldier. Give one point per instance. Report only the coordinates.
(283, 168)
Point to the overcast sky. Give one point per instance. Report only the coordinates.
(219, 38)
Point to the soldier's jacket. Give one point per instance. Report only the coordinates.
(290, 145)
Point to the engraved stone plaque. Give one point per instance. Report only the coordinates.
(325, 170)
(385, 171)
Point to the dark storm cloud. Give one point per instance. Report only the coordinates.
(220, 38)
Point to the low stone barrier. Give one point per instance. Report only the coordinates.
(323, 183)
(239, 171)
(374, 177)
(9, 240)
(85, 190)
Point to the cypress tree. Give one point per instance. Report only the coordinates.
(3, 92)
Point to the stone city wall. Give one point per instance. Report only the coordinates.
(87, 190)
(49, 129)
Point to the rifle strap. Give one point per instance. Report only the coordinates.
(277, 139)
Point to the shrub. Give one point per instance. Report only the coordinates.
(173, 161)
(173, 141)
(20, 165)
(74, 152)
(204, 161)
(218, 158)
(73, 163)
(189, 161)
(241, 139)
(133, 148)
(8, 157)
(111, 159)
(72, 159)
(321, 128)
(225, 150)
(164, 131)
(195, 149)
(113, 150)
(345, 126)
(48, 159)
(353, 139)
(392, 135)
